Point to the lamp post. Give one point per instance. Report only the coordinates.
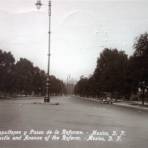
(47, 96)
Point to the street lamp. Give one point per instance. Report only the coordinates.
(47, 96)
(38, 4)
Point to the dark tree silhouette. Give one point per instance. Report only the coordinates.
(109, 75)
(24, 71)
(7, 62)
(138, 63)
(24, 78)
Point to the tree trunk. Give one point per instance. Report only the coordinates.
(142, 97)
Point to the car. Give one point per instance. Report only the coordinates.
(107, 100)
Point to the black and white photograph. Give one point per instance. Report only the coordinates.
(73, 73)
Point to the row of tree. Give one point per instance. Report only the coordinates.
(22, 77)
(117, 74)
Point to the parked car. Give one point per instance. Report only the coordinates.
(107, 100)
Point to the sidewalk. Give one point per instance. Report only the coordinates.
(132, 104)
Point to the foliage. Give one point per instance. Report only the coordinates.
(138, 63)
(109, 75)
(7, 62)
(117, 74)
(24, 78)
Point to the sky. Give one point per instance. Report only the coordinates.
(80, 30)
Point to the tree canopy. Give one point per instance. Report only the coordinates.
(22, 77)
(116, 73)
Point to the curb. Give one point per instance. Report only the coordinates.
(131, 106)
(117, 104)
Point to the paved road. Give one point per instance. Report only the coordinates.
(74, 114)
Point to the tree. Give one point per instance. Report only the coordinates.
(111, 70)
(109, 76)
(138, 63)
(7, 62)
(141, 45)
(39, 81)
(81, 87)
(24, 72)
(57, 87)
(23, 78)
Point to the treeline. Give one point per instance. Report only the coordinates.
(117, 74)
(23, 78)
